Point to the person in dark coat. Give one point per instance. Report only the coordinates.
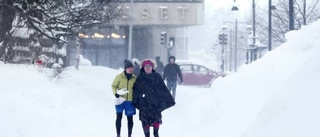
(136, 68)
(171, 71)
(160, 66)
(151, 97)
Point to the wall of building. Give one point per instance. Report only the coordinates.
(164, 13)
(149, 20)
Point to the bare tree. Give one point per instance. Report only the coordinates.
(305, 12)
(54, 19)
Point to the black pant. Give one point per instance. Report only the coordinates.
(118, 123)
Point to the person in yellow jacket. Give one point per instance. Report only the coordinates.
(122, 87)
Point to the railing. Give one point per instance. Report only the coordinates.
(167, 1)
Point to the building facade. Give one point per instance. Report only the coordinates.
(108, 44)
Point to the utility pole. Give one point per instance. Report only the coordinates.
(304, 12)
(235, 52)
(130, 31)
(230, 43)
(254, 55)
(236, 48)
(291, 19)
(270, 25)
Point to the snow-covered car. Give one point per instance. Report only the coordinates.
(198, 75)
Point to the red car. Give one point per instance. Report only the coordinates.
(198, 75)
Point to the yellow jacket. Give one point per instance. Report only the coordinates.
(121, 82)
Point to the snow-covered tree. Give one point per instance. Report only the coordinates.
(52, 19)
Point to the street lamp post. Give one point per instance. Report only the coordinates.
(236, 48)
(236, 22)
(78, 52)
(271, 7)
(270, 25)
(291, 18)
(230, 47)
(254, 30)
(253, 51)
(130, 31)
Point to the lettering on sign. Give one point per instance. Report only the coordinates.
(182, 12)
(163, 12)
(126, 10)
(145, 13)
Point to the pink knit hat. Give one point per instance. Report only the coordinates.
(147, 62)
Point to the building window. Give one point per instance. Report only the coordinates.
(104, 36)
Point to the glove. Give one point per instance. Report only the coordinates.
(117, 95)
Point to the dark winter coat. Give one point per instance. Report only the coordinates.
(171, 71)
(160, 67)
(151, 96)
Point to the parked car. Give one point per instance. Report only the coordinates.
(198, 75)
